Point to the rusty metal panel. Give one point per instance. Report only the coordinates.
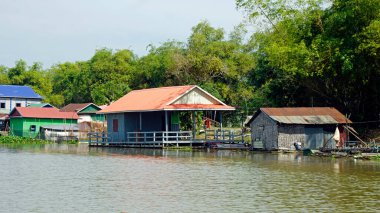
(306, 115)
(321, 119)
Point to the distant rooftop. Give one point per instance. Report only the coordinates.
(77, 107)
(17, 91)
(36, 112)
(40, 105)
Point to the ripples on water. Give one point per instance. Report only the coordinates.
(70, 178)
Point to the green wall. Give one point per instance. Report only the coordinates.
(97, 117)
(91, 110)
(21, 126)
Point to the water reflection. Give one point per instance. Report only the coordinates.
(76, 178)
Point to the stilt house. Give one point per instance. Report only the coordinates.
(153, 114)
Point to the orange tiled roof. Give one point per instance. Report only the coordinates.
(31, 112)
(157, 99)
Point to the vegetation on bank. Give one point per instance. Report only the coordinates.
(21, 140)
(7, 139)
(301, 53)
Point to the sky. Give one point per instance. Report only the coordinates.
(56, 31)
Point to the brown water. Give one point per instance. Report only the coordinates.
(71, 178)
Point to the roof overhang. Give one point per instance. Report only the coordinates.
(173, 104)
(176, 109)
(35, 98)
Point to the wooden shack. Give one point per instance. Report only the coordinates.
(311, 127)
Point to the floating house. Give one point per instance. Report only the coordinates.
(17, 96)
(152, 115)
(310, 127)
(27, 121)
(87, 112)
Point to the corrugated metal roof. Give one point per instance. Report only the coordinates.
(157, 99)
(75, 107)
(40, 105)
(34, 112)
(17, 91)
(199, 107)
(306, 115)
(62, 127)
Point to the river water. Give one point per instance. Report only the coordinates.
(76, 178)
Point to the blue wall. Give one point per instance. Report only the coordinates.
(120, 134)
(130, 122)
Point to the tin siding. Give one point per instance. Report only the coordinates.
(289, 134)
(264, 129)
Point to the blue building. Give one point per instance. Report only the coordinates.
(17, 96)
(152, 115)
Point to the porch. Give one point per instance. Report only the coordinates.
(162, 139)
(165, 116)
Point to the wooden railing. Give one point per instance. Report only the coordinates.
(224, 135)
(140, 137)
(163, 137)
(172, 136)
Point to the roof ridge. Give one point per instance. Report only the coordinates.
(158, 88)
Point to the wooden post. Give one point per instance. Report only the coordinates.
(242, 136)
(140, 115)
(194, 124)
(221, 120)
(163, 139)
(166, 125)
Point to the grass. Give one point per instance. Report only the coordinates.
(377, 157)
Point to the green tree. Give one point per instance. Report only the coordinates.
(323, 54)
(109, 74)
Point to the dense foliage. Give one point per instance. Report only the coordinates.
(302, 53)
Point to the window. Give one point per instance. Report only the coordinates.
(2, 105)
(32, 128)
(18, 104)
(115, 125)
